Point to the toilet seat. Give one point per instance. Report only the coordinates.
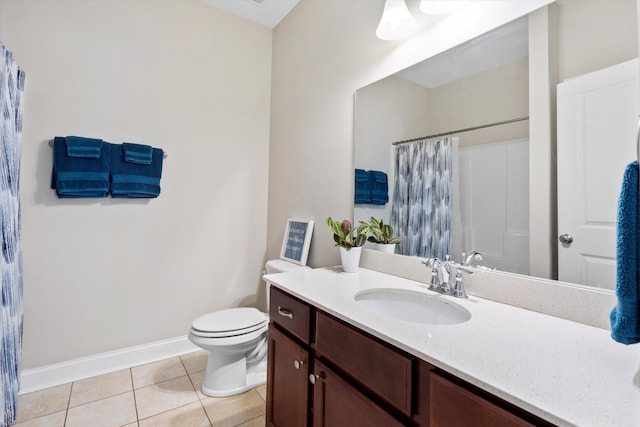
(229, 323)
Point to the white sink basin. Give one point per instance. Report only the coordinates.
(412, 306)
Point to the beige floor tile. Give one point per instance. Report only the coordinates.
(113, 411)
(197, 379)
(191, 415)
(164, 396)
(43, 402)
(196, 361)
(99, 387)
(132, 425)
(157, 372)
(261, 421)
(52, 420)
(262, 391)
(234, 410)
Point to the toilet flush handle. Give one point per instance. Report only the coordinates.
(284, 312)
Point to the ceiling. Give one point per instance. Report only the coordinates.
(267, 13)
(497, 47)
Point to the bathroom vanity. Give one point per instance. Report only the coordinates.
(335, 362)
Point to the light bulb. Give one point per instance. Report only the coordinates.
(396, 21)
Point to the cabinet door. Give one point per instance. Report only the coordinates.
(452, 405)
(337, 404)
(287, 381)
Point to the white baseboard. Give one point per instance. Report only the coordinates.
(98, 364)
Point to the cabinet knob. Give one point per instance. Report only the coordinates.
(313, 378)
(298, 364)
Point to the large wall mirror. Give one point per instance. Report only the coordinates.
(485, 85)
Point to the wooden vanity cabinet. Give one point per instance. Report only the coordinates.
(288, 381)
(326, 373)
(382, 370)
(336, 403)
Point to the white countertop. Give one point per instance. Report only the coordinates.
(565, 372)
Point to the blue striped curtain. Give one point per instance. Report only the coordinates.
(421, 207)
(11, 94)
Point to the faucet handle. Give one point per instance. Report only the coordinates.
(458, 289)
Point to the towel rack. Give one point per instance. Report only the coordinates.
(51, 145)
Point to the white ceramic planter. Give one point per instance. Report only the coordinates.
(382, 247)
(350, 259)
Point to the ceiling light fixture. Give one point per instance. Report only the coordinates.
(396, 21)
(439, 7)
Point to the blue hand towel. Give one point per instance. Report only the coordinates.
(137, 153)
(133, 180)
(362, 194)
(78, 177)
(83, 147)
(379, 187)
(625, 317)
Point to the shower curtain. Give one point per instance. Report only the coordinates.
(421, 207)
(11, 94)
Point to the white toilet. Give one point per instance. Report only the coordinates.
(236, 339)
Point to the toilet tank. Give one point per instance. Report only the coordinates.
(279, 266)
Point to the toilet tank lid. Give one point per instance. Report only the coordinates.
(232, 319)
(282, 266)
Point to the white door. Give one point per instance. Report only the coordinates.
(597, 122)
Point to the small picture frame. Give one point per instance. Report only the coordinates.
(296, 242)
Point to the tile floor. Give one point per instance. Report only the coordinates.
(165, 393)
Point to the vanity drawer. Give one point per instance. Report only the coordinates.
(384, 371)
(290, 313)
(450, 404)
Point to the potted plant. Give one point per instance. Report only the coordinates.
(350, 241)
(381, 235)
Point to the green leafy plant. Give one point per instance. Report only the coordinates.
(345, 235)
(380, 232)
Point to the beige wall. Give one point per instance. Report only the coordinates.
(491, 96)
(595, 34)
(104, 274)
(322, 52)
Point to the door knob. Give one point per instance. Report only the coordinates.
(298, 364)
(313, 378)
(565, 239)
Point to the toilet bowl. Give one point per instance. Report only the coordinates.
(236, 339)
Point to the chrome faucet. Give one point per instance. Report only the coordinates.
(468, 259)
(442, 286)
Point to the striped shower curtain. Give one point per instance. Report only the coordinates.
(11, 93)
(421, 208)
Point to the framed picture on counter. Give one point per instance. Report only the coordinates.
(297, 239)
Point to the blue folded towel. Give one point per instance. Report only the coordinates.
(625, 317)
(78, 146)
(137, 153)
(133, 180)
(362, 194)
(379, 187)
(78, 177)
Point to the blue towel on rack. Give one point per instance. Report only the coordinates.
(137, 153)
(379, 187)
(362, 194)
(133, 180)
(625, 317)
(79, 177)
(78, 146)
